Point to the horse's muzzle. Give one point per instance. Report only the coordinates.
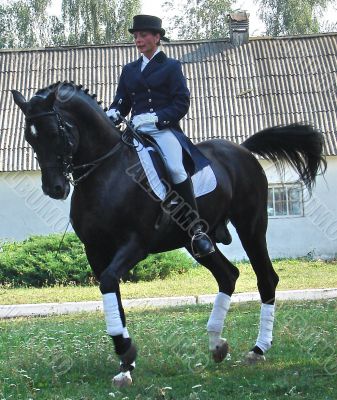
(57, 191)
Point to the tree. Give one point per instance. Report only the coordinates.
(22, 23)
(199, 19)
(6, 35)
(98, 21)
(26, 23)
(291, 17)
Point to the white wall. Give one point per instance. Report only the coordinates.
(315, 232)
(25, 211)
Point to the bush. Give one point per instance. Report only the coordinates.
(160, 266)
(38, 262)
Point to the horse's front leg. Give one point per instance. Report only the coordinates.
(124, 259)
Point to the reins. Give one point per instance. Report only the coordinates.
(68, 168)
(126, 138)
(93, 164)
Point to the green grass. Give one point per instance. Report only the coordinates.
(70, 357)
(294, 274)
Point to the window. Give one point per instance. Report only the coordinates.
(285, 200)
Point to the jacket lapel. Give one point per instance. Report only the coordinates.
(137, 64)
(154, 63)
(138, 75)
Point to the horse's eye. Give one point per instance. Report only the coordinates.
(33, 130)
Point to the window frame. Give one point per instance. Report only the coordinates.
(286, 187)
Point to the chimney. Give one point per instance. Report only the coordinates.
(238, 27)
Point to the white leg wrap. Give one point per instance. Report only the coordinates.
(264, 340)
(216, 320)
(114, 325)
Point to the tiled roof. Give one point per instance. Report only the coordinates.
(235, 92)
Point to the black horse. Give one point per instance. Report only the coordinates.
(116, 218)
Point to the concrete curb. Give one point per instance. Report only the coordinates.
(308, 294)
(44, 309)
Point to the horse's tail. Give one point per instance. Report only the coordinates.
(299, 145)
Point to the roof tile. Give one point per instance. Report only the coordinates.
(235, 92)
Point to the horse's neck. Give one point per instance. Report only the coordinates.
(96, 134)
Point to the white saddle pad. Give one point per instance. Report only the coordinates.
(203, 181)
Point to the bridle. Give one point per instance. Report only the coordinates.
(68, 145)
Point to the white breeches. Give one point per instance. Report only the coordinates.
(172, 151)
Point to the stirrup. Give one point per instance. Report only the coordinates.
(200, 249)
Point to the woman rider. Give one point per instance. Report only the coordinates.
(154, 89)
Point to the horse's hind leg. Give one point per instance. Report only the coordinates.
(252, 233)
(226, 275)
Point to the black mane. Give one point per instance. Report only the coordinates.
(54, 87)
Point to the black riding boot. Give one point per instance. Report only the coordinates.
(201, 244)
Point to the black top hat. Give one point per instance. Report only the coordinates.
(148, 23)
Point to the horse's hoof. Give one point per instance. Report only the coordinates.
(254, 358)
(220, 351)
(129, 356)
(123, 379)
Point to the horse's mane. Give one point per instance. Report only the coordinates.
(54, 87)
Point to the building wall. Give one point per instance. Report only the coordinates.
(25, 211)
(313, 234)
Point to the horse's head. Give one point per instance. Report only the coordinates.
(52, 139)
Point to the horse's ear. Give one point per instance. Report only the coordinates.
(50, 99)
(19, 100)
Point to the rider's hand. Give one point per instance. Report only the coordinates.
(113, 114)
(144, 121)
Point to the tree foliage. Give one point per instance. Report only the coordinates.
(26, 23)
(199, 19)
(23, 23)
(98, 21)
(291, 17)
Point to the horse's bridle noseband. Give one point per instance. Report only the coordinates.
(64, 133)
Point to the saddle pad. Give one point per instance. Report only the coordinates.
(203, 181)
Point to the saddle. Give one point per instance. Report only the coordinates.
(147, 142)
(203, 182)
(133, 139)
(157, 158)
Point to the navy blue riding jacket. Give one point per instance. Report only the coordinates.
(160, 88)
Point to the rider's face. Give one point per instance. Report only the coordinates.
(146, 42)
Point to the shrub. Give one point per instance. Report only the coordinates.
(38, 262)
(160, 266)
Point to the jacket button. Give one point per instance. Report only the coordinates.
(150, 100)
(149, 90)
(151, 109)
(133, 93)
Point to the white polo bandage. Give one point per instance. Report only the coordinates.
(265, 337)
(220, 308)
(114, 325)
